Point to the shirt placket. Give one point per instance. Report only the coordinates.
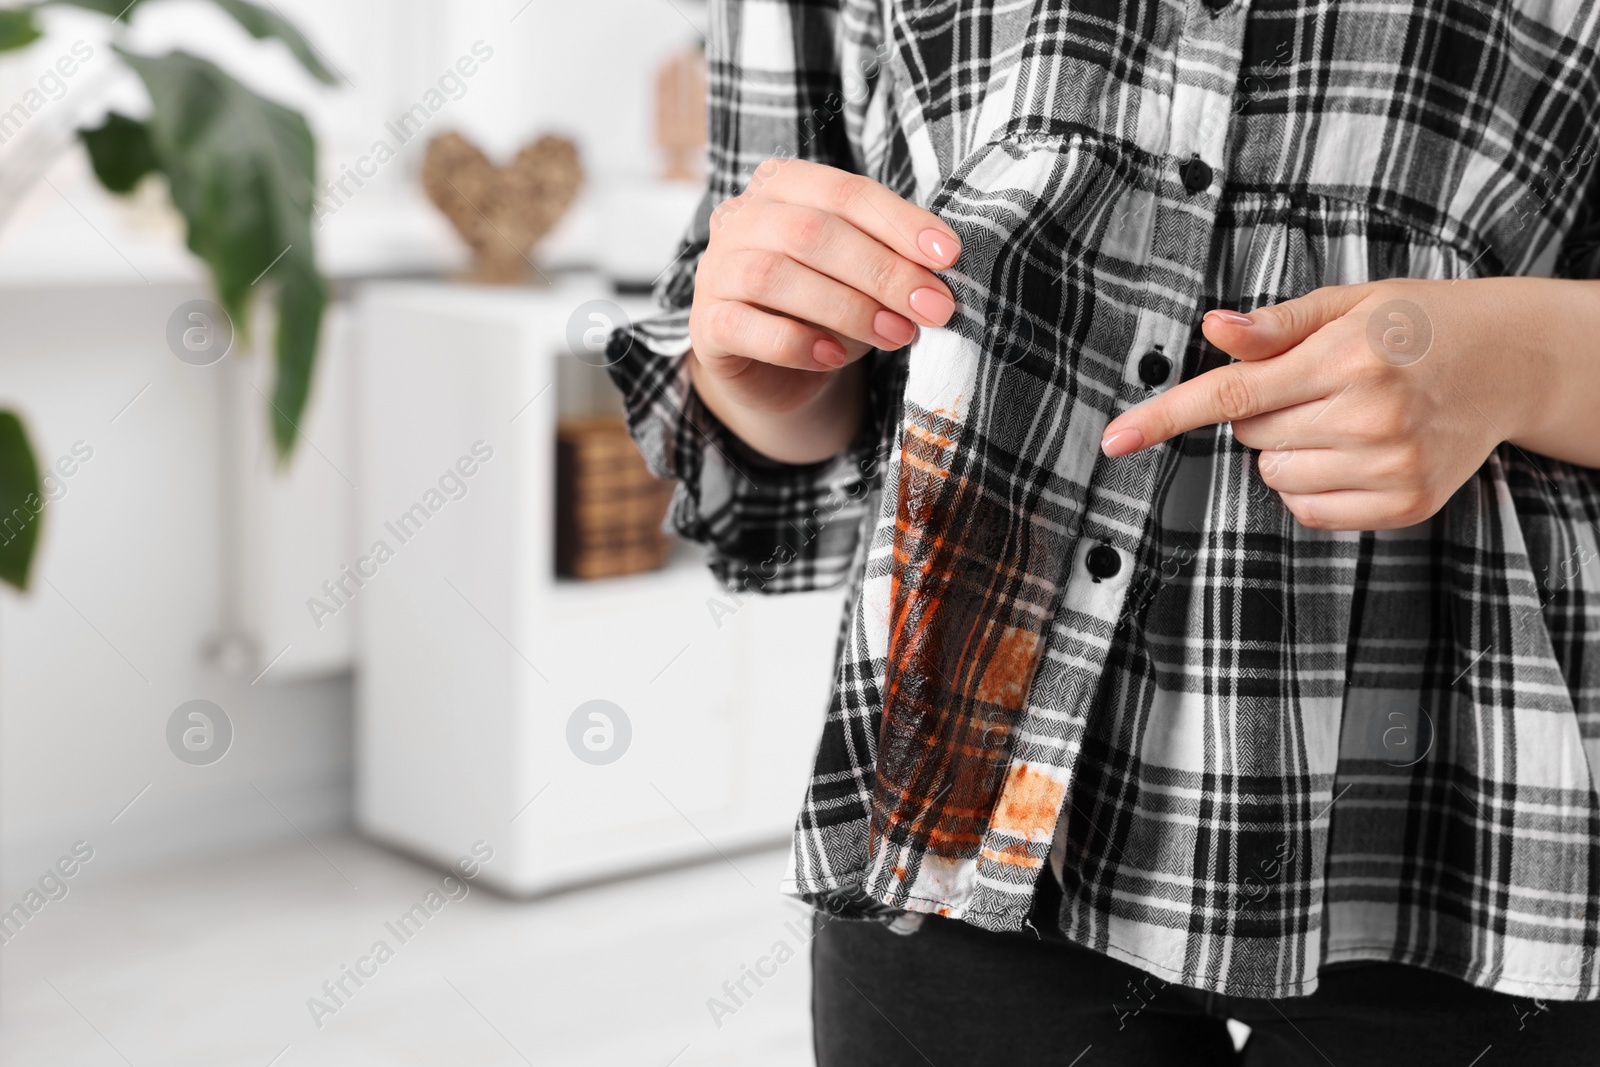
(1190, 140)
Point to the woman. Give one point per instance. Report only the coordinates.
(1199, 398)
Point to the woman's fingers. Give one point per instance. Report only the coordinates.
(910, 231)
(1276, 328)
(732, 332)
(1360, 509)
(1233, 393)
(773, 281)
(807, 270)
(1349, 487)
(837, 248)
(1296, 426)
(1318, 470)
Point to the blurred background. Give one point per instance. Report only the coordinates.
(352, 707)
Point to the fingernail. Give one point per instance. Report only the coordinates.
(932, 305)
(829, 353)
(1230, 316)
(896, 329)
(1122, 442)
(939, 246)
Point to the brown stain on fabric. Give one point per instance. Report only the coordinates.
(961, 651)
(1005, 676)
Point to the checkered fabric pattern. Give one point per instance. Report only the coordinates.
(1244, 748)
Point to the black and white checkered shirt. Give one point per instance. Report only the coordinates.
(1245, 748)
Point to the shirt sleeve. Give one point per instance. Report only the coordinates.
(777, 90)
(1580, 256)
(1580, 252)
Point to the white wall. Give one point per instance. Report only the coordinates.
(127, 585)
(109, 640)
(585, 69)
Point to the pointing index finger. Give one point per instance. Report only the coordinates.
(1226, 394)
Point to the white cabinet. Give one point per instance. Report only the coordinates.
(286, 528)
(473, 657)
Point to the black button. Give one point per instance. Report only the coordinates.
(1196, 174)
(1103, 562)
(1154, 369)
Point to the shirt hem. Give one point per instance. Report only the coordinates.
(1437, 962)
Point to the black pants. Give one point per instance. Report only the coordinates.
(951, 995)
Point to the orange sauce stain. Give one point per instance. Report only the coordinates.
(1029, 803)
(1006, 675)
(929, 435)
(942, 842)
(1013, 855)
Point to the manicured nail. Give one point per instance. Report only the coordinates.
(829, 353)
(896, 329)
(932, 305)
(1122, 442)
(1230, 316)
(939, 246)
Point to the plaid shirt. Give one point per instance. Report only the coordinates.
(1245, 748)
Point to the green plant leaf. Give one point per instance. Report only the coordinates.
(301, 298)
(261, 24)
(241, 170)
(120, 151)
(17, 29)
(21, 506)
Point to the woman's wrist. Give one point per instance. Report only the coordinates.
(1515, 318)
(818, 429)
(1547, 335)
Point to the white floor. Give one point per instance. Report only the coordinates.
(214, 964)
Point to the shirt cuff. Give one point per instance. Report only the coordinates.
(769, 527)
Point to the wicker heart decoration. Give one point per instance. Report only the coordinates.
(502, 212)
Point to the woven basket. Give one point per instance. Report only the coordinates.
(608, 506)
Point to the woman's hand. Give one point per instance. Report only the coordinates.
(1372, 404)
(807, 270)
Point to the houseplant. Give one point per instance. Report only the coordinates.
(242, 172)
